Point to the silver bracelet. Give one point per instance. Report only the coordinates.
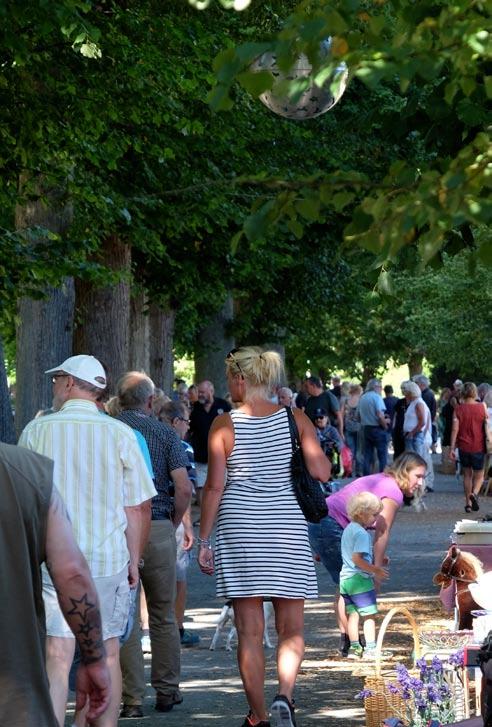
(203, 541)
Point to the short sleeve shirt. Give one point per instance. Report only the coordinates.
(325, 400)
(370, 404)
(99, 470)
(166, 455)
(379, 484)
(355, 539)
(200, 423)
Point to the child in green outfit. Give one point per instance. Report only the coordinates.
(358, 572)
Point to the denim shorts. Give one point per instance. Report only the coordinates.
(325, 538)
(475, 460)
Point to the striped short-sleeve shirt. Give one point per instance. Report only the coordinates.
(99, 470)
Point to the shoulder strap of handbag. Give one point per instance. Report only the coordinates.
(294, 432)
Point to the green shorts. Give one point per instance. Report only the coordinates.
(359, 595)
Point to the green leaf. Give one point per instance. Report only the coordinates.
(296, 228)
(309, 208)
(255, 82)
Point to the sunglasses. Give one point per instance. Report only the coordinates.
(230, 357)
(182, 419)
(58, 376)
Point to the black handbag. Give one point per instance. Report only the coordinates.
(307, 490)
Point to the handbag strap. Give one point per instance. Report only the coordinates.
(294, 432)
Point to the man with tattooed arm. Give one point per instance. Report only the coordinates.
(34, 527)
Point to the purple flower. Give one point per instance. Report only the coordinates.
(433, 694)
(364, 694)
(445, 691)
(437, 665)
(416, 684)
(457, 658)
(420, 702)
(394, 688)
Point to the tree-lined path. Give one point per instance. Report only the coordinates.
(326, 687)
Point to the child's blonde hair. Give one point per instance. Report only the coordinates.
(363, 502)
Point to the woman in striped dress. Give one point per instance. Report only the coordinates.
(262, 544)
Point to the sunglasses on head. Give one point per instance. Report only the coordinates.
(230, 357)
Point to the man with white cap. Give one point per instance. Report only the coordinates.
(102, 476)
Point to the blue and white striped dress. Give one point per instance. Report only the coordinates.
(262, 545)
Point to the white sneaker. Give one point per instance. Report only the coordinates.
(282, 712)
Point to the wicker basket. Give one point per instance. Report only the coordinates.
(383, 703)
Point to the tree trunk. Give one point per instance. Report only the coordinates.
(103, 313)
(44, 335)
(213, 344)
(139, 357)
(367, 373)
(161, 347)
(44, 340)
(415, 363)
(7, 429)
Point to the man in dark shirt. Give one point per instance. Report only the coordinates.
(202, 415)
(390, 401)
(35, 527)
(336, 387)
(158, 569)
(321, 399)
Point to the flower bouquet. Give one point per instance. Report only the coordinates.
(418, 699)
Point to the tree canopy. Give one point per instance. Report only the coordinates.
(109, 108)
(436, 54)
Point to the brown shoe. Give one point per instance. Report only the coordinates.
(163, 703)
(131, 711)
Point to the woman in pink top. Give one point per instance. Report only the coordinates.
(468, 435)
(398, 480)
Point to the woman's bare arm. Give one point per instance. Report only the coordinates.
(384, 522)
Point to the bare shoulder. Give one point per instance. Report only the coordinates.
(223, 421)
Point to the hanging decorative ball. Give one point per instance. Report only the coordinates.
(315, 100)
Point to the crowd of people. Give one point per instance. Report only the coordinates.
(101, 488)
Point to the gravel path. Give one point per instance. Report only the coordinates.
(326, 686)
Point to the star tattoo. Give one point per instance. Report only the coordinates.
(81, 607)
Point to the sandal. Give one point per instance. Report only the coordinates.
(468, 508)
(474, 503)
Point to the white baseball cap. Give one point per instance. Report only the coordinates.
(84, 367)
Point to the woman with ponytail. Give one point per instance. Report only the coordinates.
(262, 546)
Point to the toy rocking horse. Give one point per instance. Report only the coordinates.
(462, 568)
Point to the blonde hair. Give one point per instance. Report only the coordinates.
(469, 390)
(363, 502)
(263, 369)
(402, 466)
(112, 406)
(355, 389)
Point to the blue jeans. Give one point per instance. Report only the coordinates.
(375, 438)
(325, 538)
(416, 444)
